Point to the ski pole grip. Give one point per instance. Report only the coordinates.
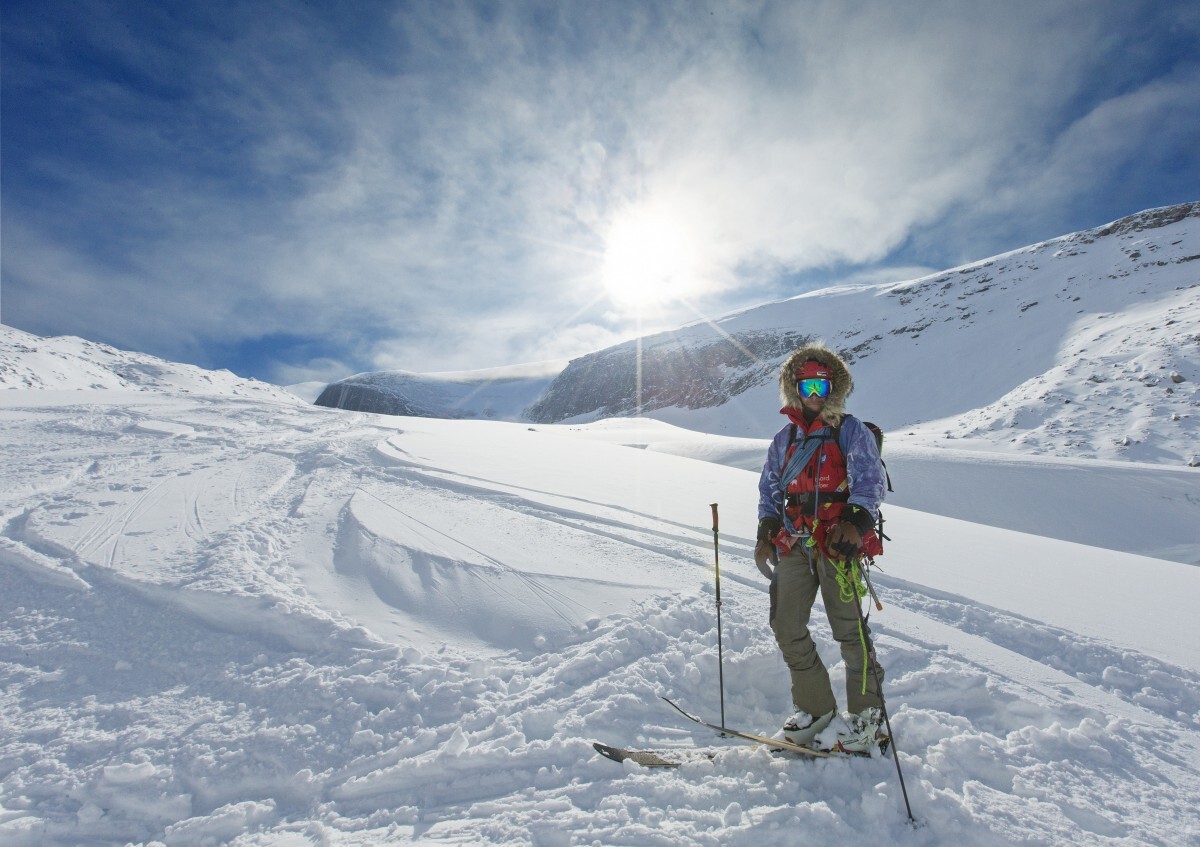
(714, 508)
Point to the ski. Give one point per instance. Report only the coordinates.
(750, 736)
(655, 758)
(671, 757)
(776, 743)
(678, 757)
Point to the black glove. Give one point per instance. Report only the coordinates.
(768, 528)
(860, 517)
(844, 539)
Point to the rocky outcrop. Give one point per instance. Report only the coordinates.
(667, 370)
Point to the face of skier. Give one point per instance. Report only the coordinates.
(813, 403)
(813, 383)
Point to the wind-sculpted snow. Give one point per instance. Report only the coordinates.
(226, 621)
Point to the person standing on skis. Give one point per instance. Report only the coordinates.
(819, 498)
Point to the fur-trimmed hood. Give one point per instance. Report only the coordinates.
(843, 384)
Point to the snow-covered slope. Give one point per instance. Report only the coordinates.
(249, 621)
(1085, 345)
(978, 486)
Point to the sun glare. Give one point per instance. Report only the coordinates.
(648, 261)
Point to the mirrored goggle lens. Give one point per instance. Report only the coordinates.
(817, 386)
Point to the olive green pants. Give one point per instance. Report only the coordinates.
(793, 592)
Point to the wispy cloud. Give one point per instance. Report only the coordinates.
(432, 185)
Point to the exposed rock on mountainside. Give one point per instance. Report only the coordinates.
(388, 394)
(671, 371)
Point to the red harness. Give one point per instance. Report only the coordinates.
(816, 498)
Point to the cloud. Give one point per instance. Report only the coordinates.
(431, 185)
(866, 128)
(1122, 136)
(320, 369)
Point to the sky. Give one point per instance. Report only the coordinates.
(301, 191)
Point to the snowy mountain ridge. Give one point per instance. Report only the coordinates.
(66, 363)
(1084, 345)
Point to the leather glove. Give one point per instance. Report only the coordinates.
(766, 557)
(844, 539)
(768, 528)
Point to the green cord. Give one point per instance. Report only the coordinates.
(849, 579)
(862, 639)
(850, 589)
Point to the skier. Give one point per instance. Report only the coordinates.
(819, 497)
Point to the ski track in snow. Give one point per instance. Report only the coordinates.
(225, 621)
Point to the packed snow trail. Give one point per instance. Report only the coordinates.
(233, 620)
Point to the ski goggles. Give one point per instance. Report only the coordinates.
(815, 386)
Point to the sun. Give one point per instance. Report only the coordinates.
(649, 260)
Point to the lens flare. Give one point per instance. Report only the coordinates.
(648, 261)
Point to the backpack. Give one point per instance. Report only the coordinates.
(878, 433)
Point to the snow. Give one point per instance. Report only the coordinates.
(232, 618)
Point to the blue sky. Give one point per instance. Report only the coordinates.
(302, 191)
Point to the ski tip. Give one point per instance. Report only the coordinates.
(645, 758)
(609, 752)
(679, 709)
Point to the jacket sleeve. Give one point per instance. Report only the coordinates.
(770, 499)
(864, 468)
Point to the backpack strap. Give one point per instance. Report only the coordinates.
(795, 464)
(878, 440)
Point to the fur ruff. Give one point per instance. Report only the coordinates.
(842, 383)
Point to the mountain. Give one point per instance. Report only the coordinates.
(230, 617)
(1023, 349)
(495, 393)
(66, 363)
(1016, 352)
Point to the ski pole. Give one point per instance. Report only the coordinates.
(720, 644)
(862, 622)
